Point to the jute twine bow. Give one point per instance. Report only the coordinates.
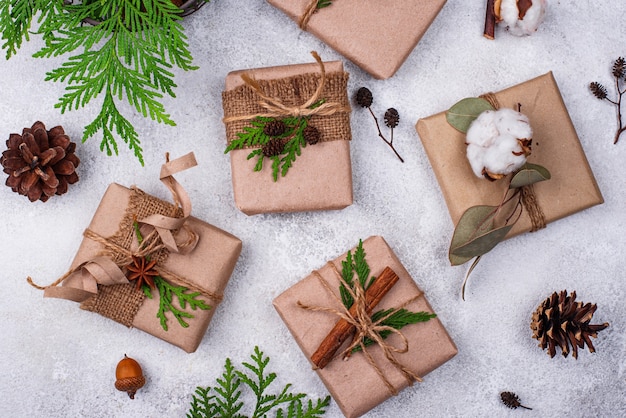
(365, 327)
(157, 230)
(276, 108)
(529, 199)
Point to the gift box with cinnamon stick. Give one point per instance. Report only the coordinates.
(140, 253)
(555, 146)
(288, 136)
(315, 311)
(378, 36)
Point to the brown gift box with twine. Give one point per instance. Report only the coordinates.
(376, 35)
(555, 146)
(321, 176)
(355, 384)
(203, 264)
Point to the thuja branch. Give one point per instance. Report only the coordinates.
(364, 98)
(598, 90)
(167, 292)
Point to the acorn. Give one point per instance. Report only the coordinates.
(129, 377)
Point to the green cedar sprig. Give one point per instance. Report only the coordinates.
(167, 292)
(127, 57)
(324, 3)
(225, 401)
(358, 265)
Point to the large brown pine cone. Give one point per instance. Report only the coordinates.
(561, 321)
(40, 163)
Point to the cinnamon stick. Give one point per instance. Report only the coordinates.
(343, 329)
(490, 20)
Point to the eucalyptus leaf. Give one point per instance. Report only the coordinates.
(483, 244)
(475, 221)
(529, 174)
(463, 113)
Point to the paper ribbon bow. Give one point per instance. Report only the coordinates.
(158, 230)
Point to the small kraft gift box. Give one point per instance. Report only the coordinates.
(148, 264)
(377, 35)
(341, 311)
(555, 146)
(288, 136)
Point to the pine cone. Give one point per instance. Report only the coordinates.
(364, 97)
(274, 128)
(598, 90)
(311, 135)
(273, 147)
(619, 67)
(392, 118)
(511, 400)
(562, 321)
(40, 163)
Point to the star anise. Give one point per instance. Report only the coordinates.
(142, 271)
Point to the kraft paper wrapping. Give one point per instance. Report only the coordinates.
(556, 146)
(378, 36)
(208, 266)
(354, 384)
(320, 178)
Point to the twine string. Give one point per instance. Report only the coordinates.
(529, 199)
(311, 8)
(365, 327)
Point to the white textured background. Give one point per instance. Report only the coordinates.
(59, 361)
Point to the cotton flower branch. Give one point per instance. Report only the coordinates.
(598, 90)
(521, 17)
(364, 98)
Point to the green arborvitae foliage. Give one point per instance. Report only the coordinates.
(397, 319)
(323, 3)
(223, 400)
(167, 292)
(128, 56)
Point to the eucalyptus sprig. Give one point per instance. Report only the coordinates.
(482, 227)
(127, 56)
(356, 264)
(224, 399)
(167, 292)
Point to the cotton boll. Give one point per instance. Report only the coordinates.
(510, 16)
(498, 143)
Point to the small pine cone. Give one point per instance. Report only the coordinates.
(511, 400)
(274, 128)
(598, 90)
(561, 321)
(364, 97)
(273, 147)
(619, 67)
(392, 118)
(311, 135)
(40, 163)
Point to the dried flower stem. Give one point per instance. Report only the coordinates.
(380, 134)
(598, 90)
(620, 125)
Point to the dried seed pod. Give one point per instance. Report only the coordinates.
(619, 68)
(273, 147)
(129, 376)
(598, 90)
(364, 97)
(511, 400)
(311, 135)
(274, 128)
(392, 118)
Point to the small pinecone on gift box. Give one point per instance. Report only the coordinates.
(273, 147)
(311, 135)
(561, 321)
(274, 128)
(40, 163)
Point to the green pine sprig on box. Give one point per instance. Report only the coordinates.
(128, 55)
(224, 399)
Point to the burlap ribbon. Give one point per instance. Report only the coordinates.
(163, 226)
(365, 327)
(291, 96)
(529, 199)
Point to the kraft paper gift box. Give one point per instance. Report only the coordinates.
(572, 186)
(378, 36)
(206, 268)
(321, 176)
(354, 384)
